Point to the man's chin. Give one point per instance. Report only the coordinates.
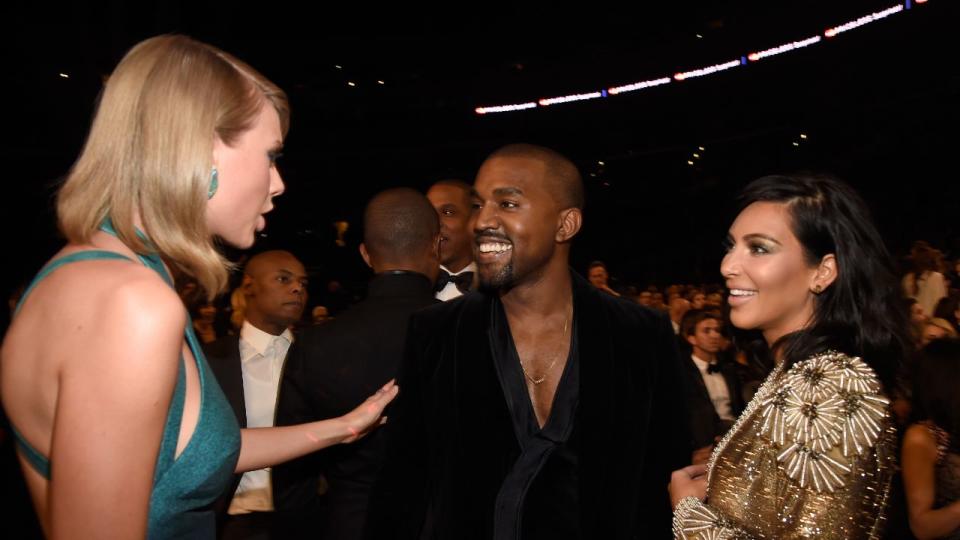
(491, 278)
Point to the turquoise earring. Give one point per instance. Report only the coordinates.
(214, 184)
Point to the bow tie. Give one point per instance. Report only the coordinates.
(713, 367)
(463, 280)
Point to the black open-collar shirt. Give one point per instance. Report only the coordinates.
(543, 480)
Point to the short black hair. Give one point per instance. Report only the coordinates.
(398, 223)
(693, 317)
(595, 264)
(563, 175)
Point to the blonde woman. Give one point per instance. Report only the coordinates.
(121, 428)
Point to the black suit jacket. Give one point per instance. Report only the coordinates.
(223, 356)
(330, 370)
(705, 423)
(450, 431)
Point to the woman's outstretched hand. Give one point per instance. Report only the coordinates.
(368, 415)
(690, 481)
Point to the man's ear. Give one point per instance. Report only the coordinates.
(365, 254)
(571, 219)
(247, 285)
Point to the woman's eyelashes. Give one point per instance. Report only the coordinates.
(755, 247)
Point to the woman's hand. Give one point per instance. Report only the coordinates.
(367, 416)
(690, 481)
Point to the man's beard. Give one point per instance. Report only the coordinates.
(502, 279)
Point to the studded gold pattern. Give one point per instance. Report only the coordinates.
(812, 456)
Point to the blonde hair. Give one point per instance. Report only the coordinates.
(150, 150)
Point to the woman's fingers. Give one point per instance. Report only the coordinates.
(694, 471)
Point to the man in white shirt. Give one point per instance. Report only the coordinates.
(451, 199)
(713, 390)
(249, 368)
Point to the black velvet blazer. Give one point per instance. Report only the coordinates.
(451, 438)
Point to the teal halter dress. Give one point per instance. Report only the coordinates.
(184, 486)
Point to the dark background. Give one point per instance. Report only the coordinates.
(879, 105)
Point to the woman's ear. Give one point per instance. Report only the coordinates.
(826, 274)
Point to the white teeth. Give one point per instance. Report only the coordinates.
(742, 292)
(493, 247)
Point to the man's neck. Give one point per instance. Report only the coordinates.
(262, 324)
(543, 294)
(707, 357)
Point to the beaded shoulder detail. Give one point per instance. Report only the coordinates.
(695, 520)
(826, 411)
(942, 438)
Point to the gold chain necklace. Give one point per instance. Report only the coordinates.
(546, 372)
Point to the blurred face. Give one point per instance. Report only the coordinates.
(276, 292)
(678, 306)
(770, 282)
(515, 222)
(916, 313)
(248, 180)
(714, 299)
(598, 276)
(207, 312)
(706, 337)
(320, 315)
(699, 299)
(456, 238)
(645, 298)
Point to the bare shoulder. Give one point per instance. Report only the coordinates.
(97, 339)
(920, 440)
(109, 309)
(109, 284)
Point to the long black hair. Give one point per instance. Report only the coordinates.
(861, 312)
(936, 377)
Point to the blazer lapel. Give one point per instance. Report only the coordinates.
(235, 393)
(479, 398)
(694, 376)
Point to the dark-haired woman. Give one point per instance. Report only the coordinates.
(813, 455)
(931, 446)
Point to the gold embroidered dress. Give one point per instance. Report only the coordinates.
(812, 456)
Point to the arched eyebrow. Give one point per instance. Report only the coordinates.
(759, 236)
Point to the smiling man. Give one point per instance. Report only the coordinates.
(248, 368)
(541, 407)
(451, 199)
